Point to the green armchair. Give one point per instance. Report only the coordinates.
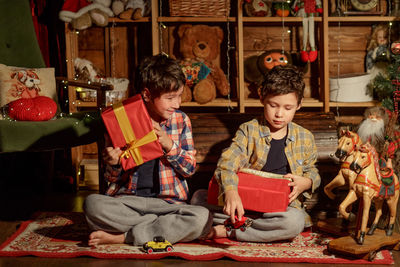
(19, 47)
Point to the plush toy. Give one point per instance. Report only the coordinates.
(200, 46)
(256, 66)
(83, 13)
(118, 6)
(86, 71)
(257, 8)
(132, 9)
(308, 9)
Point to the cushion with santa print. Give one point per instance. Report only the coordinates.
(18, 82)
(39, 108)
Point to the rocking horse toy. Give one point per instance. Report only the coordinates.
(369, 182)
(346, 147)
(373, 183)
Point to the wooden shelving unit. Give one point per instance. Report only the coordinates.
(240, 25)
(119, 45)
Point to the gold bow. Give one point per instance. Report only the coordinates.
(132, 144)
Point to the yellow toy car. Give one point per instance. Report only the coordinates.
(158, 244)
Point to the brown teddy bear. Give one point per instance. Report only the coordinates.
(200, 46)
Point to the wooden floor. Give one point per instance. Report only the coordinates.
(17, 208)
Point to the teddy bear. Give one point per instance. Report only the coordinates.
(83, 13)
(131, 9)
(199, 45)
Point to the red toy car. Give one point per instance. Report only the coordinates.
(242, 224)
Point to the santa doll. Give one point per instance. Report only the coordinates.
(379, 128)
(308, 9)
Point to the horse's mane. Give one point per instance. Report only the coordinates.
(367, 147)
(355, 138)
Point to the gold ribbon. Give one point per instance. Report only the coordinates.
(132, 144)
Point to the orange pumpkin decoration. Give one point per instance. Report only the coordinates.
(282, 13)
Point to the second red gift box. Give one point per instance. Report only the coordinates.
(259, 191)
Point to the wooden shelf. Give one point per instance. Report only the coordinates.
(84, 104)
(307, 102)
(219, 102)
(277, 19)
(361, 19)
(196, 19)
(118, 20)
(353, 104)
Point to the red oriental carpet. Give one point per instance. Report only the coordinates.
(65, 235)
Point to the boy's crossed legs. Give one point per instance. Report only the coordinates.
(136, 220)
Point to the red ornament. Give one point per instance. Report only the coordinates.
(40, 108)
(395, 48)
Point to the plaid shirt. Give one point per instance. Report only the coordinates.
(250, 147)
(176, 165)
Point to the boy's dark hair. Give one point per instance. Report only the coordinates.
(160, 74)
(283, 80)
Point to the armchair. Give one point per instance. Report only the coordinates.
(19, 47)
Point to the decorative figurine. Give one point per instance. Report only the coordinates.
(371, 184)
(378, 55)
(308, 9)
(347, 145)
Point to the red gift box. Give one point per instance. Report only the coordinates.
(258, 193)
(130, 128)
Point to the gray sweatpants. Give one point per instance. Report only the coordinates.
(142, 218)
(266, 227)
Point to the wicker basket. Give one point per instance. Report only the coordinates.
(199, 8)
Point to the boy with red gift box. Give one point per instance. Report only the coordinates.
(272, 143)
(149, 199)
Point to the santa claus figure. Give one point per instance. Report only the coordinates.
(379, 128)
(372, 128)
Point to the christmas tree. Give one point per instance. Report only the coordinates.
(386, 86)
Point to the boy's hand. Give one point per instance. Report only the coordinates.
(299, 185)
(233, 205)
(163, 137)
(111, 155)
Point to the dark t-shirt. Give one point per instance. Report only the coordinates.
(277, 161)
(148, 183)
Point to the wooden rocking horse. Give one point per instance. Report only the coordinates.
(373, 183)
(344, 152)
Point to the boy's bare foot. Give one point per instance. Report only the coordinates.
(217, 231)
(101, 237)
(220, 231)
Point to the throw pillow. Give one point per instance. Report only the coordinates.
(40, 108)
(17, 82)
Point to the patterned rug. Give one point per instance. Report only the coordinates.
(65, 235)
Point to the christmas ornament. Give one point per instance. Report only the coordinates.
(395, 48)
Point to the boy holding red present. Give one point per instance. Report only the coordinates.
(149, 200)
(272, 144)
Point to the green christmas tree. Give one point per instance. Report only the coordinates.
(385, 84)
